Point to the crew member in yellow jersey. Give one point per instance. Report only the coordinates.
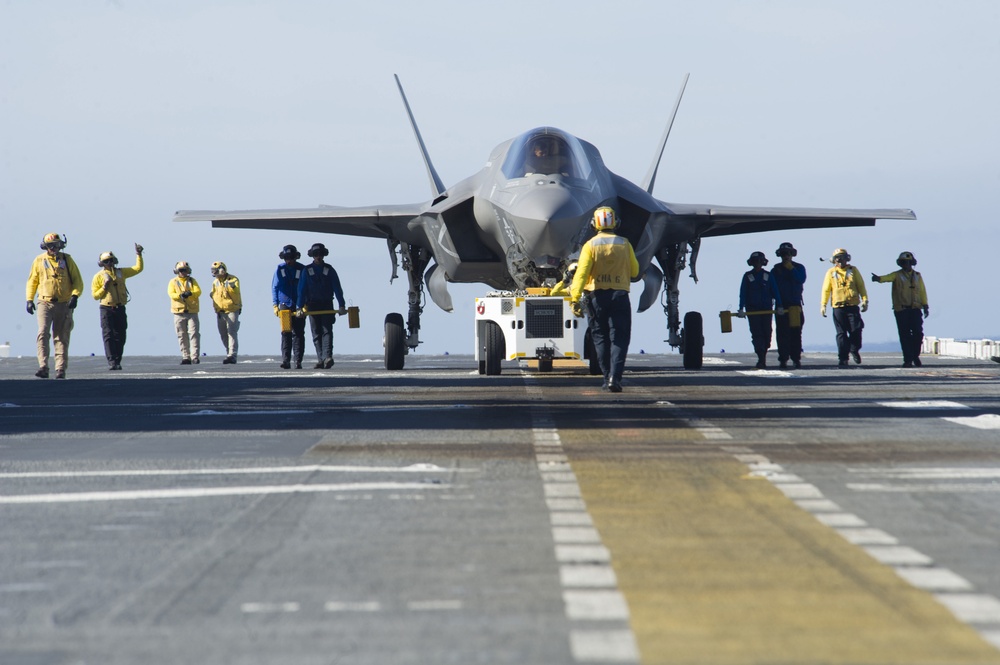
(909, 299)
(56, 280)
(606, 268)
(844, 287)
(108, 287)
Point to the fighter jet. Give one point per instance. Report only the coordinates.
(522, 219)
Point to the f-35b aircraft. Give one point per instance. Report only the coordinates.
(524, 216)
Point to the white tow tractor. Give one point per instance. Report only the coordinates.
(529, 325)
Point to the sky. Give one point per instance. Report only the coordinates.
(116, 113)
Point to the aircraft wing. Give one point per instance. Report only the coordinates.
(371, 222)
(713, 220)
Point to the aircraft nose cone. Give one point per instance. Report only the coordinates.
(549, 218)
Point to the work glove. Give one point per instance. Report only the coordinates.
(31, 307)
(276, 310)
(927, 311)
(300, 312)
(822, 310)
(741, 313)
(185, 295)
(874, 277)
(864, 305)
(72, 301)
(577, 309)
(138, 249)
(342, 311)
(780, 311)
(107, 282)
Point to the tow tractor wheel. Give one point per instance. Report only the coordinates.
(693, 341)
(495, 350)
(394, 341)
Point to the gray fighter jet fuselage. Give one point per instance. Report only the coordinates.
(524, 216)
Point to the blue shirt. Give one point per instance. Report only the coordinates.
(789, 282)
(318, 286)
(758, 291)
(285, 285)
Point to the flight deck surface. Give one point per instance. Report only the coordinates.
(248, 514)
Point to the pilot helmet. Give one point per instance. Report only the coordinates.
(318, 249)
(755, 257)
(289, 252)
(106, 257)
(53, 241)
(906, 257)
(605, 219)
(786, 248)
(219, 268)
(840, 251)
(182, 266)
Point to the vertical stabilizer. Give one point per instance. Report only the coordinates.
(437, 187)
(650, 179)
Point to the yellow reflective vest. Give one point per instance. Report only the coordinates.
(176, 287)
(607, 261)
(226, 294)
(108, 286)
(843, 287)
(54, 278)
(908, 290)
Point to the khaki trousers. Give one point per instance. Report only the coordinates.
(55, 322)
(188, 335)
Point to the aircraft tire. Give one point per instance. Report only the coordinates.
(693, 340)
(494, 349)
(545, 364)
(394, 341)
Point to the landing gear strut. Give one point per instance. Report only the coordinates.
(396, 343)
(690, 340)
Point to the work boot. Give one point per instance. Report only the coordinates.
(797, 364)
(230, 360)
(42, 373)
(328, 364)
(614, 386)
(783, 364)
(298, 365)
(319, 365)
(857, 357)
(195, 361)
(907, 363)
(917, 363)
(186, 361)
(842, 364)
(60, 374)
(285, 364)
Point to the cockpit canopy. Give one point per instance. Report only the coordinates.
(546, 151)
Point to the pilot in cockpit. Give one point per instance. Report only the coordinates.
(543, 157)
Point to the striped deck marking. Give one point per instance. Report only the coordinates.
(718, 567)
(595, 607)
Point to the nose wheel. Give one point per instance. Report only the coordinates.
(693, 341)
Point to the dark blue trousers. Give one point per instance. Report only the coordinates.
(610, 313)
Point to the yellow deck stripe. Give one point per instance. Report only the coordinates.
(721, 568)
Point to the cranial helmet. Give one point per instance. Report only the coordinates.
(605, 219)
(181, 265)
(289, 252)
(906, 257)
(53, 239)
(786, 247)
(318, 249)
(839, 252)
(218, 267)
(107, 256)
(571, 270)
(757, 256)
